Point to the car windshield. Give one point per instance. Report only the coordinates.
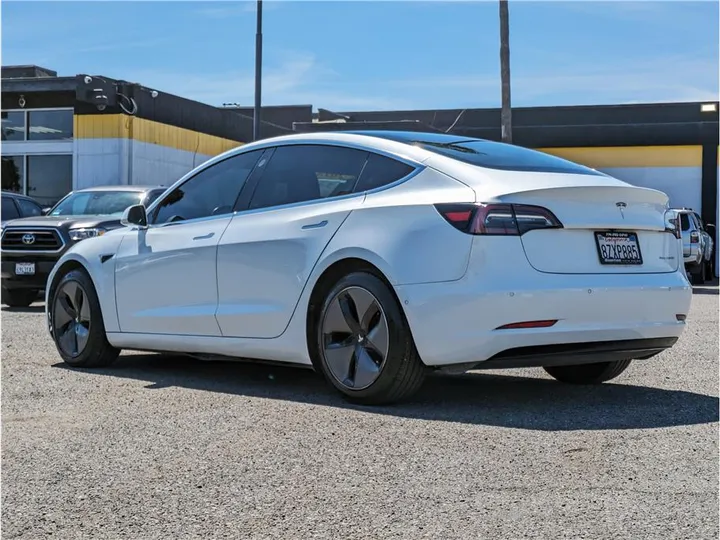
(96, 203)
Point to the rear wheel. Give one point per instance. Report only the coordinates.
(77, 323)
(19, 297)
(363, 343)
(597, 373)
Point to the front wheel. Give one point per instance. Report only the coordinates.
(77, 323)
(597, 373)
(363, 343)
(19, 297)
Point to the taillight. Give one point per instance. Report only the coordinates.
(672, 224)
(498, 219)
(694, 237)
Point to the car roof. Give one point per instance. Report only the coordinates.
(17, 195)
(135, 188)
(412, 136)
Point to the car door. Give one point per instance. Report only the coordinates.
(268, 251)
(705, 237)
(166, 273)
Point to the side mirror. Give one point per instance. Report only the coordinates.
(46, 210)
(134, 216)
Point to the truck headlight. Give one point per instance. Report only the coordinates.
(83, 234)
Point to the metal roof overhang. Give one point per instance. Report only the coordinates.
(39, 84)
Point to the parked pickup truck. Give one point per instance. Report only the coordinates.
(30, 246)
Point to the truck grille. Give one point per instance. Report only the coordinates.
(31, 240)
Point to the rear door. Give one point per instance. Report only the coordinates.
(265, 256)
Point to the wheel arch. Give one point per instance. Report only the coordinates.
(333, 271)
(104, 285)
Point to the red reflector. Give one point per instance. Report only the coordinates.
(458, 216)
(527, 324)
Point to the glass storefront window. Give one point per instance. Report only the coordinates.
(13, 173)
(49, 178)
(50, 125)
(13, 125)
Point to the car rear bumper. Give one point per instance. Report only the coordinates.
(458, 322)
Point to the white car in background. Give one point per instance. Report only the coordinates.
(376, 257)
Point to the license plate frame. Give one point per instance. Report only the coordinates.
(601, 241)
(25, 269)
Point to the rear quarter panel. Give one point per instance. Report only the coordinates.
(400, 231)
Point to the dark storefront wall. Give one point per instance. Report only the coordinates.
(37, 152)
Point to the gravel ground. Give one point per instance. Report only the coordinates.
(169, 448)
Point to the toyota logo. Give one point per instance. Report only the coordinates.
(28, 239)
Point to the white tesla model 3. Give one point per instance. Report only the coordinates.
(376, 257)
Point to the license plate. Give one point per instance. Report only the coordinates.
(25, 269)
(618, 247)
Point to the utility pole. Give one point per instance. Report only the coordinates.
(505, 111)
(258, 74)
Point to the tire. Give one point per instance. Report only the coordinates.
(376, 362)
(597, 373)
(95, 350)
(697, 273)
(19, 297)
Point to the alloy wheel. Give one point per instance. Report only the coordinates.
(355, 338)
(71, 318)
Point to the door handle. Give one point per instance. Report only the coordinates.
(316, 225)
(204, 236)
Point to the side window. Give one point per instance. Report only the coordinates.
(684, 222)
(9, 210)
(29, 208)
(301, 173)
(381, 171)
(211, 192)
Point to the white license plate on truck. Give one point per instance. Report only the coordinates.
(25, 269)
(618, 247)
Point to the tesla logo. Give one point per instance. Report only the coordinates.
(622, 206)
(28, 239)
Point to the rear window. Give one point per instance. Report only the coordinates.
(684, 222)
(505, 157)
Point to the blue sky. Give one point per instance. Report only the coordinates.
(371, 55)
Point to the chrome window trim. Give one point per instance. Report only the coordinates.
(30, 230)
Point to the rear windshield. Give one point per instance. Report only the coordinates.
(684, 222)
(506, 157)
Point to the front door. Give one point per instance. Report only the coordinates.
(166, 274)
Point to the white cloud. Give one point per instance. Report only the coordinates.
(234, 9)
(639, 80)
(299, 79)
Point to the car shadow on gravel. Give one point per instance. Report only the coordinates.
(706, 290)
(30, 309)
(473, 398)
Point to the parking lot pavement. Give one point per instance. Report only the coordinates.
(166, 447)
